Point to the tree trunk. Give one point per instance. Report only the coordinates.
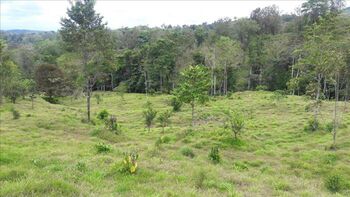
(88, 98)
(161, 83)
(112, 82)
(335, 121)
(214, 84)
(225, 82)
(250, 77)
(317, 101)
(192, 107)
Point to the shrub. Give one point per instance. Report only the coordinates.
(329, 127)
(164, 119)
(149, 115)
(112, 124)
(187, 152)
(52, 100)
(334, 183)
(121, 89)
(214, 155)
(103, 114)
(278, 95)
(176, 104)
(312, 125)
(15, 113)
(103, 148)
(129, 164)
(81, 166)
(162, 140)
(261, 88)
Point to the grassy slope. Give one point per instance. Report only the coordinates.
(41, 150)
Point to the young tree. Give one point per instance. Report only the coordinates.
(235, 122)
(194, 86)
(121, 89)
(164, 119)
(84, 32)
(149, 116)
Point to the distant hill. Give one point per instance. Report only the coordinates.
(346, 11)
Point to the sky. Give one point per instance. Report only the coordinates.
(46, 15)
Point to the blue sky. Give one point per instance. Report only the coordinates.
(45, 15)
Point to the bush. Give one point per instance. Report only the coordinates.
(129, 164)
(214, 155)
(164, 119)
(52, 100)
(15, 113)
(187, 152)
(103, 148)
(149, 115)
(112, 124)
(235, 122)
(162, 140)
(334, 183)
(312, 125)
(103, 114)
(81, 166)
(261, 88)
(176, 104)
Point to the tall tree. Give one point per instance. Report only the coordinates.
(84, 31)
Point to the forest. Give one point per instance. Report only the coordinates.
(239, 98)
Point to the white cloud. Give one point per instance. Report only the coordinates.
(45, 15)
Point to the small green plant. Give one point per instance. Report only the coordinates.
(261, 88)
(162, 140)
(52, 100)
(103, 148)
(149, 116)
(333, 183)
(187, 152)
(312, 125)
(278, 95)
(235, 122)
(129, 163)
(15, 114)
(98, 98)
(164, 119)
(81, 166)
(176, 104)
(112, 124)
(214, 155)
(103, 115)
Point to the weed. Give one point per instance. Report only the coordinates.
(103, 148)
(214, 155)
(333, 183)
(187, 152)
(103, 114)
(15, 114)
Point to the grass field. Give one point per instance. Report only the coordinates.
(50, 151)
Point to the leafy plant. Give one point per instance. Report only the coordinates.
(261, 88)
(187, 152)
(129, 164)
(81, 166)
(112, 124)
(333, 183)
(164, 119)
(103, 148)
(121, 89)
(176, 104)
(214, 155)
(199, 179)
(235, 122)
(312, 125)
(15, 113)
(103, 114)
(149, 116)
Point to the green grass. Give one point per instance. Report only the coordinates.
(50, 151)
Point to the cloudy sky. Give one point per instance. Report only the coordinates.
(45, 15)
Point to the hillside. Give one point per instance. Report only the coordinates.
(50, 151)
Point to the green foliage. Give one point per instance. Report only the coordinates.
(15, 113)
(98, 98)
(121, 89)
(102, 115)
(214, 155)
(129, 163)
(50, 80)
(164, 119)
(194, 86)
(261, 88)
(312, 125)
(162, 140)
(112, 124)
(52, 100)
(235, 121)
(103, 148)
(149, 116)
(176, 104)
(81, 166)
(334, 183)
(186, 151)
(278, 95)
